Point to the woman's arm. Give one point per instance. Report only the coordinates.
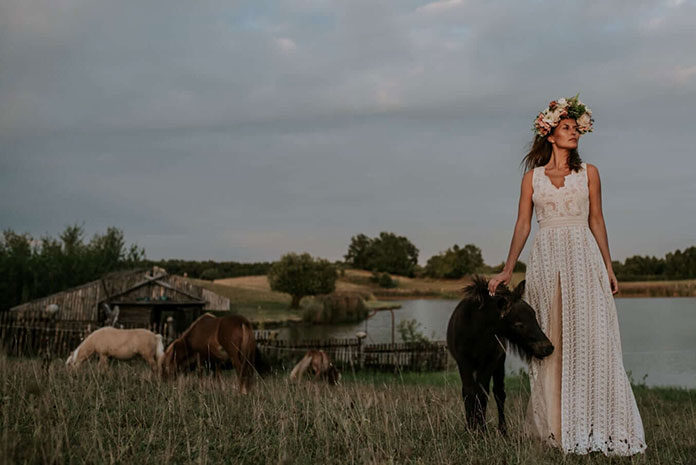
(519, 237)
(597, 226)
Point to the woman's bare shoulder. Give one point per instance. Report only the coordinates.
(592, 171)
(528, 181)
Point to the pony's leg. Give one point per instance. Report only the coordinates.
(468, 393)
(483, 383)
(246, 371)
(318, 371)
(103, 361)
(150, 359)
(499, 393)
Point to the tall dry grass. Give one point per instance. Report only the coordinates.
(125, 415)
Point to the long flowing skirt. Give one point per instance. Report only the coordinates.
(581, 399)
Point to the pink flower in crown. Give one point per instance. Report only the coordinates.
(553, 104)
(585, 123)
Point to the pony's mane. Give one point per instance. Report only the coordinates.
(188, 330)
(517, 349)
(478, 289)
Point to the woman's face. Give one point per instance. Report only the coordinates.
(565, 135)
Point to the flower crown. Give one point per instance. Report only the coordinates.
(563, 108)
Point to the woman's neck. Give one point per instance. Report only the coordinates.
(559, 158)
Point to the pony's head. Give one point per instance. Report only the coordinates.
(333, 376)
(511, 317)
(171, 358)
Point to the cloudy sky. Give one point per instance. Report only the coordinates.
(241, 130)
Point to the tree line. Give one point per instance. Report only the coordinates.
(209, 269)
(33, 268)
(675, 265)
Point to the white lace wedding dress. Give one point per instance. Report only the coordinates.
(581, 399)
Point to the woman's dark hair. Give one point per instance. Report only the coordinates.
(540, 154)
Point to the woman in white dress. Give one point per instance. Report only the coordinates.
(581, 399)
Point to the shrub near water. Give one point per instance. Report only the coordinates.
(334, 308)
(124, 415)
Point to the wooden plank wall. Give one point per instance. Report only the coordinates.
(77, 304)
(214, 301)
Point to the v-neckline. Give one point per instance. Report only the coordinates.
(565, 178)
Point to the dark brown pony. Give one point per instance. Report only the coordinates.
(214, 341)
(319, 363)
(482, 328)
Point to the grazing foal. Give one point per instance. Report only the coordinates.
(119, 343)
(214, 340)
(477, 331)
(320, 365)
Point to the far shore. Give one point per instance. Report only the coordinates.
(252, 297)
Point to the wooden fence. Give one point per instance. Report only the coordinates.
(56, 339)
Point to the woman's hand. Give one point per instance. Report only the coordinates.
(613, 282)
(502, 277)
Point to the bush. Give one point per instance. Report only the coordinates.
(410, 332)
(383, 280)
(210, 274)
(334, 308)
(386, 281)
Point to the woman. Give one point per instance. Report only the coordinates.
(581, 399)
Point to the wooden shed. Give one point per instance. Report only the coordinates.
(144, 298)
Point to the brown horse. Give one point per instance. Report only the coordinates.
(320, 364)
(214, 340)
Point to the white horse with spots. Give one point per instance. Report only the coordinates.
(119, 343)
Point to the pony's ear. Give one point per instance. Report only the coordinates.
(519, 290)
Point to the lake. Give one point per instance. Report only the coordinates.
(658, 335)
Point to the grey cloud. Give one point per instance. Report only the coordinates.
(239, 132)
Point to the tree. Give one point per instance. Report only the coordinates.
(302, 275)
(455, 262)
(387, 253)
(359, 251)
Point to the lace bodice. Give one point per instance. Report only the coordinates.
(570, 201)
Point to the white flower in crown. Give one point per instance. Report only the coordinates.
(563, 108)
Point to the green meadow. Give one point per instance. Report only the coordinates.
(127, 415)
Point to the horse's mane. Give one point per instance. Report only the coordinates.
(188, 330)
(478, 290)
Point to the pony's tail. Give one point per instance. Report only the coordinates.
(159, 351)
(301, 367)
(247, 352)
(248, 346)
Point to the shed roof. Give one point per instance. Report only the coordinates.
(137, 287)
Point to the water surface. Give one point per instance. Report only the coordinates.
(658, 335)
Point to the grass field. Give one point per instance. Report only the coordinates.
(126, 415)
